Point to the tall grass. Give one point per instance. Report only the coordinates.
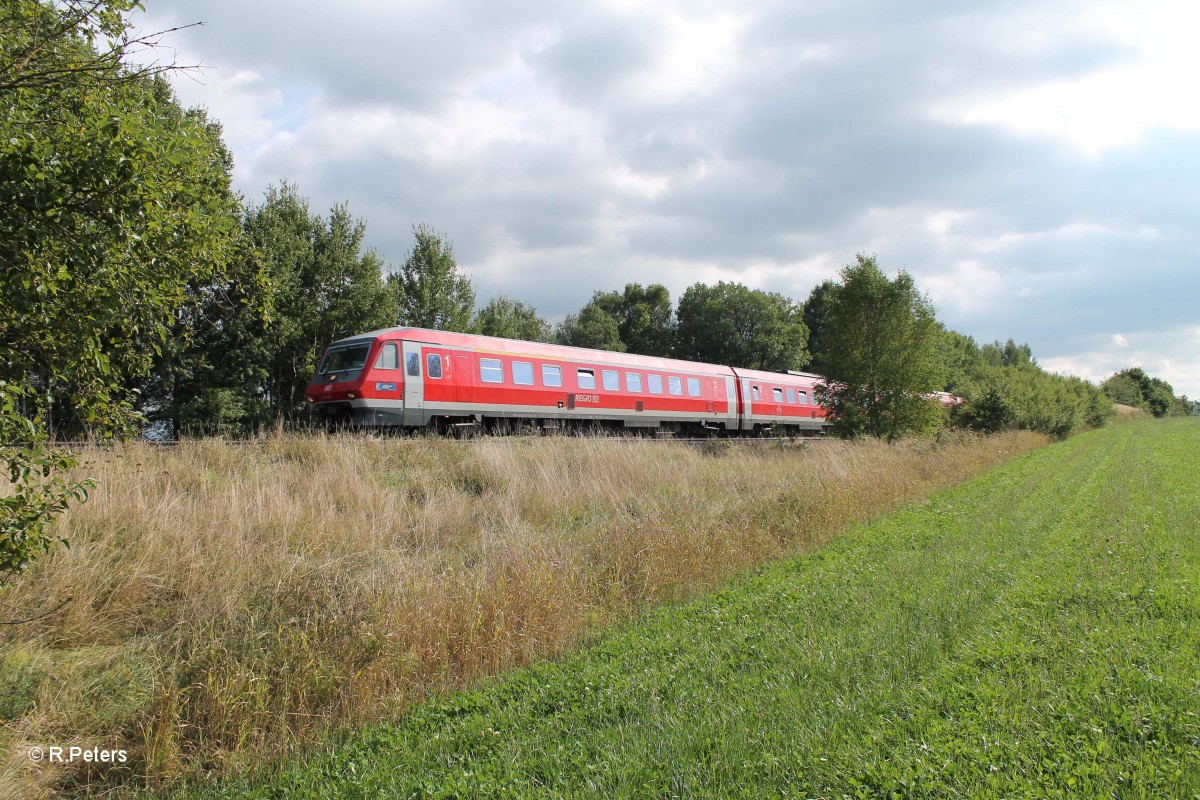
(230, 604)
(1031, 634)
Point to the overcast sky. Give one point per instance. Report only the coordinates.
(1034, 165)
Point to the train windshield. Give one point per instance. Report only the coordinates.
(347, 357)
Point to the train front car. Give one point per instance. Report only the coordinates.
(358, 383)
(418, 378)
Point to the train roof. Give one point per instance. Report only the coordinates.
(495, 344)
(789, 378)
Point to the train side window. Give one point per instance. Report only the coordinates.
(633, 382)
(491, 370)
(755, 390)
(655, 382)
(804, 398)
(433, 365)
(522, 373)
(585, 378)
(694, 387)
(612, 381)
(777, 394)
(791, 396)
(413, 363)
(551, 375)
(387, 357)
(674, 385)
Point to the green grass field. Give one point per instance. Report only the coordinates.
(1035, 633)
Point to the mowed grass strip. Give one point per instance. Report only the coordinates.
(1034, 633)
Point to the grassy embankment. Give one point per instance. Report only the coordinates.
(1033, 634)
(232, 605)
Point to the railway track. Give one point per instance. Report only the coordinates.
(733, 440)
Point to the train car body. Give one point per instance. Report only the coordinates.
(946, 400)
(772, 400)
(417, 378)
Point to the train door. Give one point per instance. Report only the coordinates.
(746, 421)
(463, 382)
(731, 407)
(414, 386)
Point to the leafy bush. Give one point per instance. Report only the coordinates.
(1029, 398)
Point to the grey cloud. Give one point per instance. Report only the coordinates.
(821, 131)
(593, 56)
(410, 54)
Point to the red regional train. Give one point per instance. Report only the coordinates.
(439, 380)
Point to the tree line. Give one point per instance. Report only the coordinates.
(1133, 387)
(138, 289)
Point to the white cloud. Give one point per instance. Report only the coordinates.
(1114, 106)
(969, 287)
(940, 223)
(697, 54)
(1074, 230)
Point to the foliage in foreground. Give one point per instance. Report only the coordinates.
(1030, 635)
(115, 199)
(39, 490)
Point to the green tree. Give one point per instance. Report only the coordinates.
(431, 290)
(1134, 387)
(592, 327)
(815, 309)
(989, 410)
(1124, 389)
(510, 319)
(209, 369)
(962, 357)
(235, 369)
(731, 324)
(883, 354)
(644, 318)
(115, 201)
(1022, 395)
(39, 486)
(325, 286)
(1009, 354)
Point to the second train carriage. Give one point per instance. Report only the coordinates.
(417, 378)
(770, 399)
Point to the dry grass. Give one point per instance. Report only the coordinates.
(1125, 413)
(234, 603)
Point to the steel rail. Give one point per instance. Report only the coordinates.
(424, 435)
